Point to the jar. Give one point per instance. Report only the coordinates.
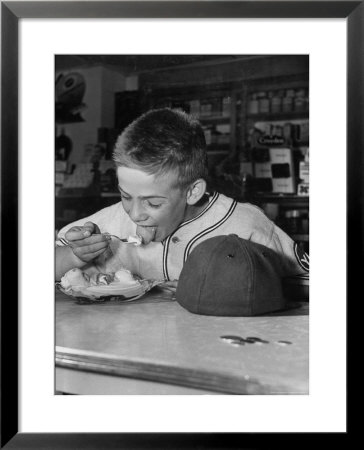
(207, 132)
(287, 133)
(304, 225)
(263, 104)
(299, 103)
(276, 130)
(276, 103)
(253, 105)
(226, 106)
(292, 221)
(287, 102)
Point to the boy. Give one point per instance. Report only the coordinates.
(162, 171)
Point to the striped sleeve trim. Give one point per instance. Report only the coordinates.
(167, 241)
(165, 257)
(61, 242)
(210, 204)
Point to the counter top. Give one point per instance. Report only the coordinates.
(154, 339)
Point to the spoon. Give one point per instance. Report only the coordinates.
(125, 241)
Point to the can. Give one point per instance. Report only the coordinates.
(276, 103)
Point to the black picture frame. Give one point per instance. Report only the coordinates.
(11, 13)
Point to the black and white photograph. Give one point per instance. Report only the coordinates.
(169, 169)
(182, 224)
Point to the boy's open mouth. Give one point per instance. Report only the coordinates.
(146, 233)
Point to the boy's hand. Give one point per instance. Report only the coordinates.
(87, 242)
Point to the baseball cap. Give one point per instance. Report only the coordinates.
(230, 276)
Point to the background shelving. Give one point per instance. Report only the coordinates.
(222, 96)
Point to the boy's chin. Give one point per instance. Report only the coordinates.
(160, 237)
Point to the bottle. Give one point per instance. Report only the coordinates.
(287, 102)
(300, 100)
(276, 102)
(253, 105)
(292, 221)
(63, 146)
(263, 103)
(246, 185)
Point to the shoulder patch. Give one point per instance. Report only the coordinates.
(302, 257)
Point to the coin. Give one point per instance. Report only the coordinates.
(236, 340)
(257, 340)
(284, 342)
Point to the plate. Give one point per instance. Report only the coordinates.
(104, 292)
(115, 290)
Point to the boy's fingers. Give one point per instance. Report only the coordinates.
(91, 247)
(94, 255)
(88, 255)
(77, 233)
(88, 230)
(92, 228)
(94, 239)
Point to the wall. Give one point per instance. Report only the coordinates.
(111, 82)
(239, 70)
(101, 85)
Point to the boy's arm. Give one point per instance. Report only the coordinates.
(295, 260)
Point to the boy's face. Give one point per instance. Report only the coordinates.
(153, 203)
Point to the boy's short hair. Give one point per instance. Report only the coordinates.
(164, 140)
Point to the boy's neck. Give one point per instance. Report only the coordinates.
(194, 210)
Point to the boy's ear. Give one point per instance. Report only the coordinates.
(196, 191)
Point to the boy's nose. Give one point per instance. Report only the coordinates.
(136, 213)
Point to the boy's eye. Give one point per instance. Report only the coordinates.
(146, 202)
(154, 205)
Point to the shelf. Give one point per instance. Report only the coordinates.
(217, 152)
(240, 120)
(214, 119)
(277, 117)
(76, 196)
(217, 147)
(67, 120)
(110, 194)
(287, 199)
(62, 219)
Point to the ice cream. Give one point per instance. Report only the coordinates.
(136, 240)
(101, 279)
(125, 277)
(75, 277)
(147, 234)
